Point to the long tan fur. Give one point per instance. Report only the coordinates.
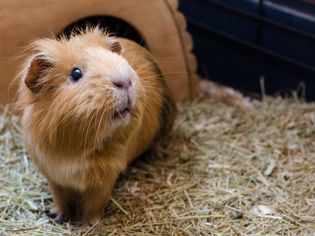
(70, 129)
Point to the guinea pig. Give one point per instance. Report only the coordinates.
(91, 103)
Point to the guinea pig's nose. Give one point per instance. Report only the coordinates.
(122, 83)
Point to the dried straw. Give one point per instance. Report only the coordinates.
(224, 171)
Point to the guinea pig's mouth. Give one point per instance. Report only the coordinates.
(122, 114)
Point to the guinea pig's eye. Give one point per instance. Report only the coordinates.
(76, 75)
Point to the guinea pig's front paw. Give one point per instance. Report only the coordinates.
(56, 216)
(93, 221)
(61, 218)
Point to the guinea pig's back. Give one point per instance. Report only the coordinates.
(159, 107)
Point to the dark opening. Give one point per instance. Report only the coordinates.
(114, 25)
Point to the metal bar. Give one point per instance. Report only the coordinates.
(259, 18)
(250, 45)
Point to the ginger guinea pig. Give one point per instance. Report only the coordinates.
(91, 104)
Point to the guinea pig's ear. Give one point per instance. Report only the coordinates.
(37, 69)
(115, 46)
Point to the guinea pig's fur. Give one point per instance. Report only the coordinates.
(82, 134)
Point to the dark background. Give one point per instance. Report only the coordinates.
(238, 42)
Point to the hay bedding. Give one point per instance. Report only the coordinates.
(224, 171)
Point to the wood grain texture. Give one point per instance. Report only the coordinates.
(24, 21)
(187, 46)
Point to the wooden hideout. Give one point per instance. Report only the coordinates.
(160, 24)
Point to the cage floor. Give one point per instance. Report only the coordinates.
(223, 171)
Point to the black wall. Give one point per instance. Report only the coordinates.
(238, 42)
